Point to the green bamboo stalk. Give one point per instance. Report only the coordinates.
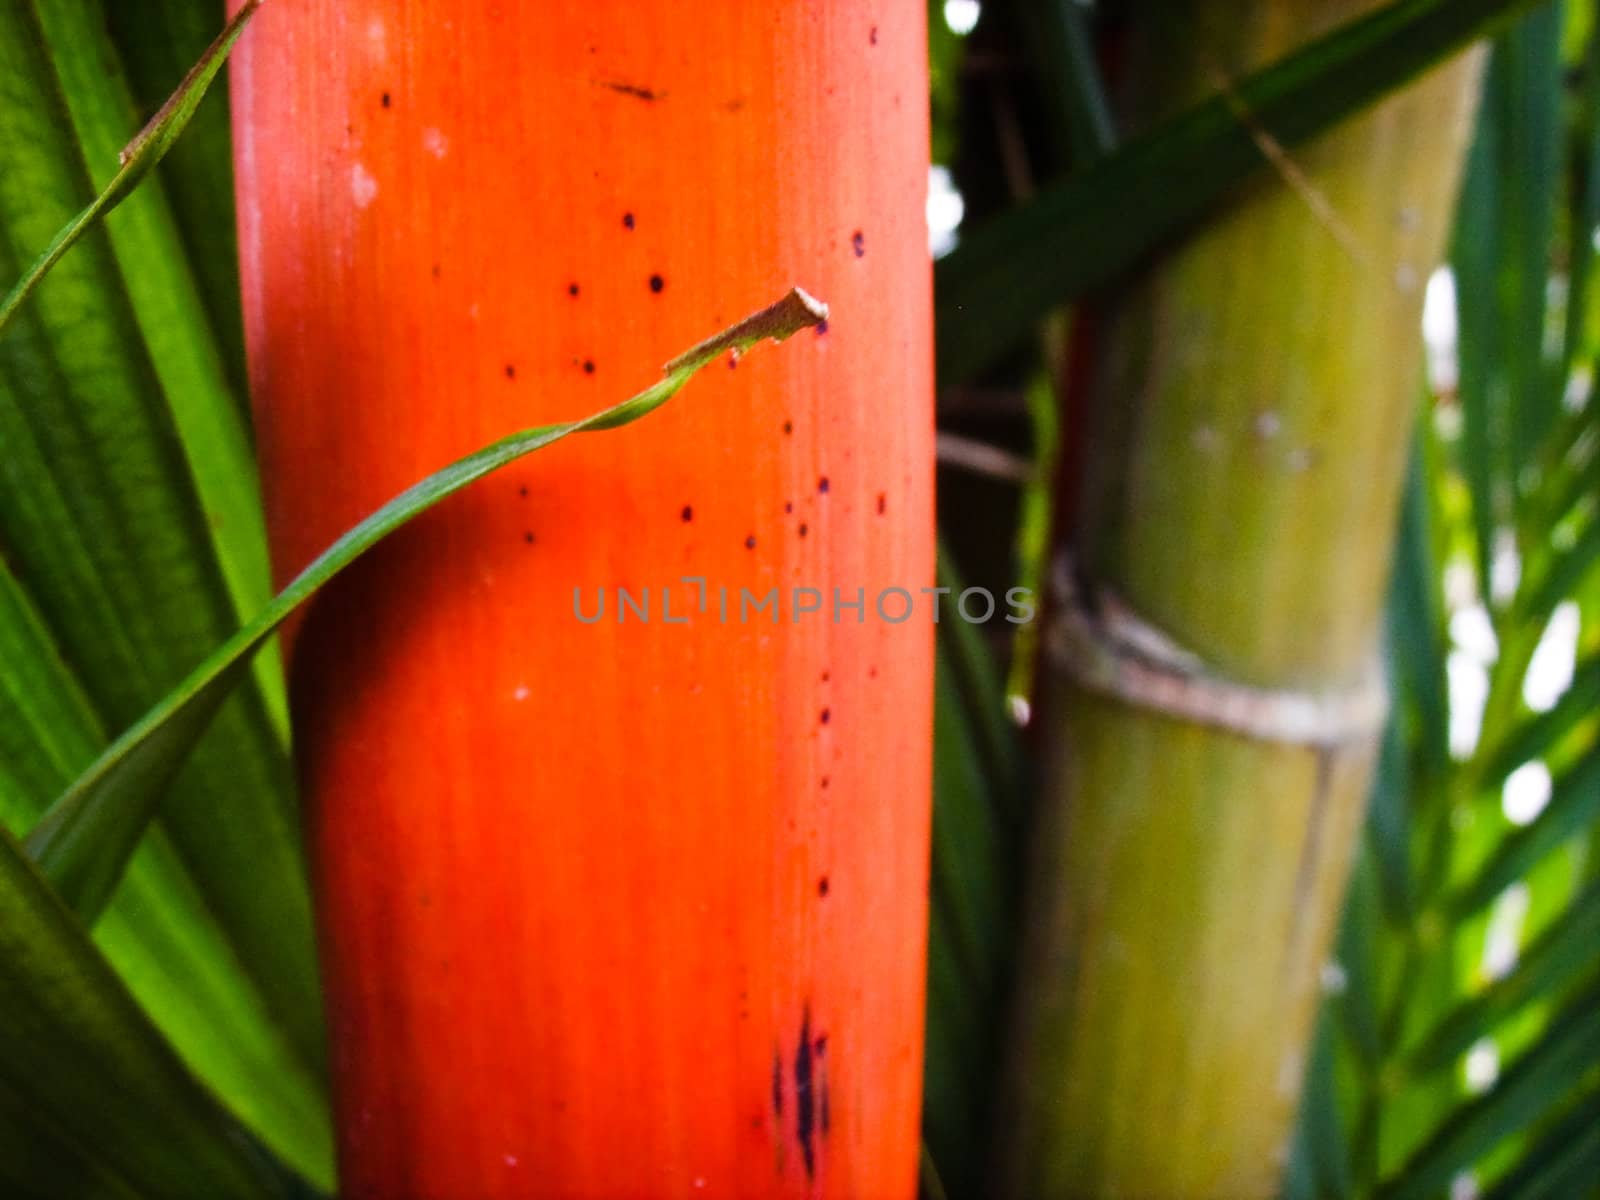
(1246, 446)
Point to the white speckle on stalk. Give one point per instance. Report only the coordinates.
(521, 693)
(378, 37)
(363, 187)
(1268, 425)
(1207, 440)
(1405, 277)
(435, 142)
(509, 1159)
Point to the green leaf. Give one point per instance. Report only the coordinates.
(1502, 264)
(136, 159)
(1561, 1164)
(158, 42)
(163, 293)
(1417, 639)
(995, 286)
(158, 932)
(1539, 732)
(964, 939)
(1568, 569)
(79, 1060)
(1584, 210)
(84, 841)
(128, 490)
(1318, 1165)
(1057, 40)
(116, 421)
(976, 808)
(1389, 825)
(977, 678)
(1358, 1005)
(1523, 1094)
(1563, 953)
(1573, 806)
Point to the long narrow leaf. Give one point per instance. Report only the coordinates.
(1562, 954)
(137, 159)
(84, 841)
(1539, 732)
(79, 1057)
(158, 933)
(1562, 1164)
(1574, 803)
(1073, 237)
(1525, 1093)
(105, 518)
(158, 42)
(164, 299)
(1501, 263)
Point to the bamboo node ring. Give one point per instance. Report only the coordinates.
(1108, 649)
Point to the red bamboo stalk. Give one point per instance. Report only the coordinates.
(615, 908)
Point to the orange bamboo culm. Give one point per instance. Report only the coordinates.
(606, 908)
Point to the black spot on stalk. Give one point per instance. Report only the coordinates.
(688, 513)
(528, 537)
(883, 503)
(826, 715)
(657, 283)
(588, 366)
(858, 243)
(825, 782)
(804, 529)
(750, 542)
(822, 890)
(511, 371)
(632, 89)
(777, 1086)
(822, 485)
(805, 1102)
(873, 35)
(788, 506)
(523, 491)
(572, 289)
(387, 100)
(822, 328)
(788, 426)
(627, 220)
